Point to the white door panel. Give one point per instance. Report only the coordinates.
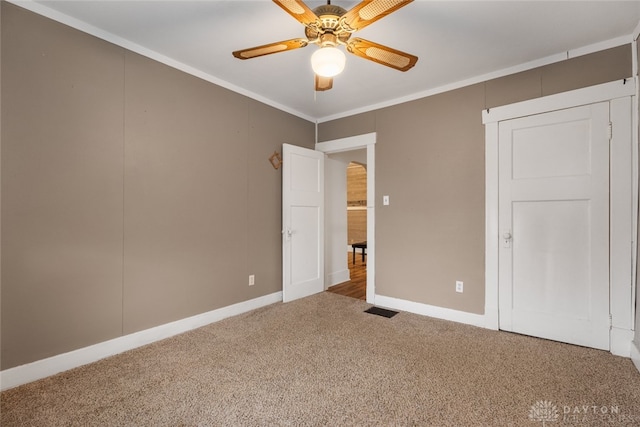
(305, 170)
(304, 243)
(302, 222)
(550, 251)
(554, 223)
(562, 149)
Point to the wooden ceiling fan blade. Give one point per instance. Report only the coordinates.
(270, 48)
(298, 10)
(369, 11)
(384, 55)
(323, 83)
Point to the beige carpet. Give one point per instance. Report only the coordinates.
(323, 361)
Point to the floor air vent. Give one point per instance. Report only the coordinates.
(381, 312)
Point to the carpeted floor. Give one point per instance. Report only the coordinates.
(323, 361)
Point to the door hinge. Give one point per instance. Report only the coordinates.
(610, 131)
(610, 321)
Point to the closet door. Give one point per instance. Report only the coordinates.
(554, 225)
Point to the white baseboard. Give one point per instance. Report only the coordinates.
(432, 311)
(620, 341)
(338, 277)
(23, 374)
(635, 354)
(491, 318)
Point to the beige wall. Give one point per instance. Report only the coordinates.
(430, 161)
(132, 194)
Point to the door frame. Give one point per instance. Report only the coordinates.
(357, 142)
(623, 198)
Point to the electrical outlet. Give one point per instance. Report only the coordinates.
(252, 279)
(459, 286)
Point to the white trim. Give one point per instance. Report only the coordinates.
(552, 59)
(367, 141)
(23, 374)
(346, 144)
(574, 98)
(634, 204)
(431, 311)
(636, 32)
(371, 222)
(448, 87)
(635, 354)
(491, 227)
(620, 342)
(43, 10)
(600, 46)
(622, 200)
(621, 221)
(337, 277)
(634, 177)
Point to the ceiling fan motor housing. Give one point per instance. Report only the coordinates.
(330, 32)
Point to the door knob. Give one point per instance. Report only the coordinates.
(287, 234)
(506, 239)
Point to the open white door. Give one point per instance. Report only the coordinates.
(302, 222)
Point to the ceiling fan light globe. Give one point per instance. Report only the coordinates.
(328, 61)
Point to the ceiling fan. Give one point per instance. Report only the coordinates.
(330, 26)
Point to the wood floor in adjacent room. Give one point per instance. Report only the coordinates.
(357, 286)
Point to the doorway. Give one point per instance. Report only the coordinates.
(346, 222)
(362, 149)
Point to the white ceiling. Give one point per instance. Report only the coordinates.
(456, 41)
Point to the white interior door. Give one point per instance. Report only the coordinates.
(302, 222)
(554, 225)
